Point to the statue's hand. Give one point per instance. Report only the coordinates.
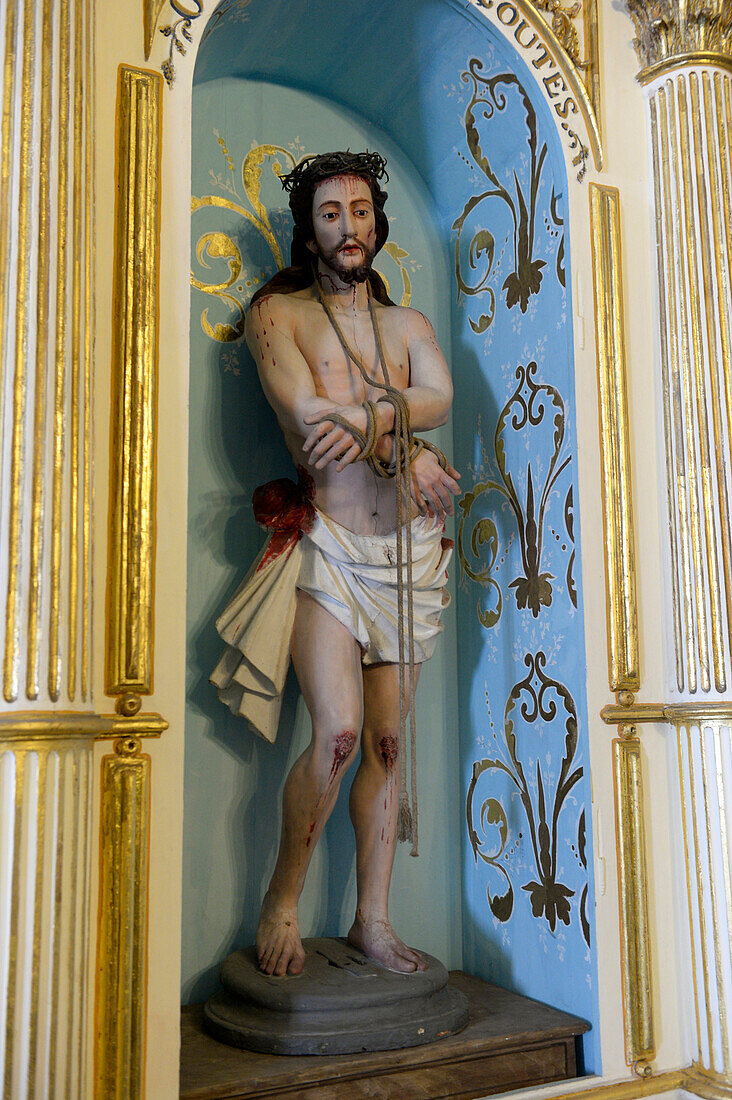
(433, 487)
(330, 442)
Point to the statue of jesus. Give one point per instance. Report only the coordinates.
(349, 375)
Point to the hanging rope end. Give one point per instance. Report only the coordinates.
(406, 826)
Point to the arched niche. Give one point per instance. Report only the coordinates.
(503, 881)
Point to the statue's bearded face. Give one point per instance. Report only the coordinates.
(345, 229)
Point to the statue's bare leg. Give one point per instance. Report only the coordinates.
(375, 812)
(327, 661)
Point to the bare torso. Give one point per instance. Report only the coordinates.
(355, 497)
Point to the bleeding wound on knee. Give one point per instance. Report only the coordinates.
(389, 750)
(343, 745)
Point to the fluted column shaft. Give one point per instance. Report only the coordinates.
(46, 348)
(705, 769)
(686, 53)
(691, 113)
(46, 354)
(45, 801)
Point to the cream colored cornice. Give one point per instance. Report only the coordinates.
(676, 29)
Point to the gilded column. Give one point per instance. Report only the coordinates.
(688, 79)
(46, 354)
(686, 54)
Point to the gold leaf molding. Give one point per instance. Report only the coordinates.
(623, 662)
(134, 385)
(44, 725)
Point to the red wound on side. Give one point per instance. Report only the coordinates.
(286, 509)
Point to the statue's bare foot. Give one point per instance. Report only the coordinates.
(378, 940)
(279, 947)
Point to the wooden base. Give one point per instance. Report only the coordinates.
(511, 1042)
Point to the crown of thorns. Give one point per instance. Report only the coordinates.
(322, 166)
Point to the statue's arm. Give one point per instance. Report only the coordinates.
(288, 385)
(429, 393)
(283, 370)
(429, 396)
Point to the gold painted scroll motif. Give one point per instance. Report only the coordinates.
(134, 383)
(623, 664)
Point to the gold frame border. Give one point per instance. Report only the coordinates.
(122, 928)
(622, 1090)
(131, 560)
(692, 1078)
(622, 619)
(592, 79)
(616, 714)
(635, 949)
(706, 1083)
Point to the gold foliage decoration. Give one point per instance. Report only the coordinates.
(667, 28)
(575, 26)
(219, 247)
(562, 23)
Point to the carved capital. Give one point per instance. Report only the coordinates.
(672, 28)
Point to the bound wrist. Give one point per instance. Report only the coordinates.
(384, 417)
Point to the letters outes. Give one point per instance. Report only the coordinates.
(535, 51)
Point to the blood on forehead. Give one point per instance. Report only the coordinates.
(350, 183)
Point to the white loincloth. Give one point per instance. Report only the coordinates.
(354, 577)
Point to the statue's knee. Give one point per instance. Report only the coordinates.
(387, 749)
(341, 748)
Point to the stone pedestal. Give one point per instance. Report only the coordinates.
(342, 1003)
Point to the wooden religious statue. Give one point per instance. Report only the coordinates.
(351, 582)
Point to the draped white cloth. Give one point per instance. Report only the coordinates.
(354, 577)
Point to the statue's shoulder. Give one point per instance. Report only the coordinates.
(278, 309)
(280, 300)
(404, 318)
(274, 303)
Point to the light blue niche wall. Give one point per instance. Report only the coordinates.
(233, 780)
(448, 92)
